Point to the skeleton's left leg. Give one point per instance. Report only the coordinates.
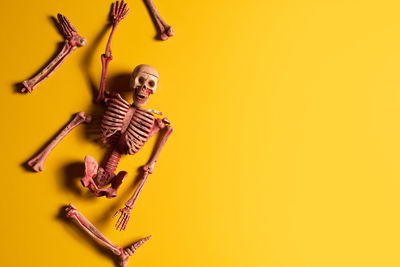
(83, 223)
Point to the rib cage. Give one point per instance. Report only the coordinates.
(139, 129)
(136, 131)
(113, 118)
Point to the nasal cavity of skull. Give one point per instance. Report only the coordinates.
(142, 92)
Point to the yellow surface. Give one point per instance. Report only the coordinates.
(286, 144)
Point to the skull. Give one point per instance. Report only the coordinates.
(144, 81)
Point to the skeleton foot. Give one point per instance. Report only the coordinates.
(164, 29)
(129, 251)
(37, 162)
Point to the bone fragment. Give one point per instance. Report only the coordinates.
(37, 162)
(164, 29)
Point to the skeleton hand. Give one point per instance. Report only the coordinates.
(119, 11)
(123, 218)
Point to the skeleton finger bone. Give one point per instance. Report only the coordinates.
(37, 162)
(164, 29)
(123, 218)
(119, 11)
(125, 212)
(88, 227)
(73, 40)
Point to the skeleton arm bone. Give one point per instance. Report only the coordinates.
(148, 169)
(161, 124)
(118, 12)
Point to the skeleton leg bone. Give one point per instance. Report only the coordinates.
(37, 162)
(83, 223)
(164, 29)
(73, 40)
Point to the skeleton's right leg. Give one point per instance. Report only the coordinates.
(84, 224)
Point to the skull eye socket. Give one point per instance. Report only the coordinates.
(151, 83)
(141, 80)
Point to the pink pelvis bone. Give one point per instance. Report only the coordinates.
(37, 162)
(118, 13)
(122, 254)
(164, 29)
(103, 176)
(72, 41)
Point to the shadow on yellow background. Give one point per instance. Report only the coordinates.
(286, 144)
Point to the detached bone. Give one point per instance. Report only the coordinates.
(72, 41)
(164, 29)
(37, 162)
(123, 254)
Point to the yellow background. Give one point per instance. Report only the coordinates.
(286, 144)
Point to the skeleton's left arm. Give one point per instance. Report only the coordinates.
(148, 169)
(118, 13)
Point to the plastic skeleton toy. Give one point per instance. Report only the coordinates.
(125, 129)
(74, 40)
